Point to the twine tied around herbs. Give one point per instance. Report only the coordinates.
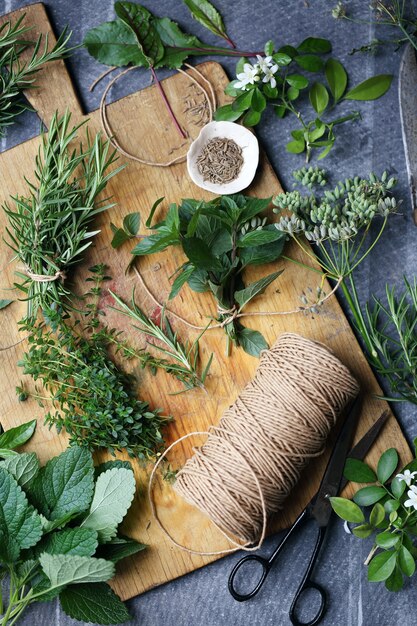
(253, 458)
(45, 278)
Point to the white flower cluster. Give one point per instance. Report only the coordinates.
(264, 70)
(408, 477)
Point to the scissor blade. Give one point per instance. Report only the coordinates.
(365, 444)
(321, 509)
(407, 89)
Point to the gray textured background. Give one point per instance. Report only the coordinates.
(373, 144)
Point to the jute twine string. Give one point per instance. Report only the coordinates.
(45, 278)
(252, 460)
(209, 95)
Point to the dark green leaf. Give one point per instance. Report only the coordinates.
(362, 531)
(398, 487)
(177, 44)
(5, 303)
(281, 58)
(297, 80)
(369, 495)
(243, 296)
(119, 238)
(359, 472)
(226, 114)
(280, 111)
(241, 64)
(258, 101)
(103, 467)
(17, 436)
(269, 48)
(138, 19)
(205, 13)
(319, 97)
(120, 548)
(251, 341)
(131, 223)
(23, 467)
(198, 281)
(377, 515)
(392, 505)
(270, 92)
(387, 539)
(347, 510)
(381, 566)
(152, 212)
(253, 206)
(395, 581)
(243, 102)
(290, 51)
(336, 78)
(180, 280)
(315, 45)
(406, 561)
(387, 464)
(258, 238)
(258, 255)
(231, 90)
(93, 602)
(155, 243)
(293, 93)
(296, 147)
(370, 89)
(251, 118)
(78, 541)
(200, 254)
(113, 43)
(309, 62)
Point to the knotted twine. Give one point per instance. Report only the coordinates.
(253, 458)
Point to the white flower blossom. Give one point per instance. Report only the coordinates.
(264, 63)
(412, 495)
(249, 76)
(269, 75)
(407, 477)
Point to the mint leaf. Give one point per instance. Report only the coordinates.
(76, 541)
(93, 602)
(259, 238)
(119, 548)
(113, 496)
(18, 519)
(243, 296)
(113, 43)
(251, 341)
(15, 437)
(131, 223)
(66, 569)
(64, 486)
(23, 467)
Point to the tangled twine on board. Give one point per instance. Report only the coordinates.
(253, 458)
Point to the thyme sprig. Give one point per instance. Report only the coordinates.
(16, 75)
(182, 358)
(50, 227)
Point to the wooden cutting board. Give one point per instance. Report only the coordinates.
(142, 126)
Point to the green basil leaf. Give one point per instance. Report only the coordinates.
(113, 495)
(17, 436)
(258, 237)
(23, 467)
(155, 243)
(93, 602)
(369, 495)
(315, 45)
(336, 78)
(362, 531)
(131, 223)
(358, 472)
(381, 566)
(251, 341)
(297, 80)
(395, 581)
(67, 569)
(309, 62)
(120, 548)
(377, 515)
(258, 255)
(205, 13)
(406, 561)
(5, 303)
(243, 102)
(347, 510)
(243, 296)
(225, 113)
(119, 238)
(387, 539)
(152, 211)
(64, 486)
(138, 19)
(387, 464)
(370, 89)
(113, 43)
(181, 278)
(319, 97)
(251, 118)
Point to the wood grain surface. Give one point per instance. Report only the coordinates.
(143, 127)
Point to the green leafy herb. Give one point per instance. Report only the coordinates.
(72, 561)
(205, 13)
(220, 239)
(18, 75)
(392, 520)
(48, 230)
(5, 303)
(182, 359)
(17, 436)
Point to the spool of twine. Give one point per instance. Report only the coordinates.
(253, 458)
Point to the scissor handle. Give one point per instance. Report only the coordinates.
(307, 583)
(266, 566)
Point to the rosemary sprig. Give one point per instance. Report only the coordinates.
(17, 75)
(50, 228)
(183, 358)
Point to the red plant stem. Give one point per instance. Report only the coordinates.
(167, 104)
(230, 42)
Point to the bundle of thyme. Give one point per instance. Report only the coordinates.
(50, 228)
(16, 75)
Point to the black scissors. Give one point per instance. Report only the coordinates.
(318, 509)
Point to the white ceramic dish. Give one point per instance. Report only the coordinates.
(250, 152)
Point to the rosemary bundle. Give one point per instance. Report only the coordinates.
(50, 227)
(16, 75)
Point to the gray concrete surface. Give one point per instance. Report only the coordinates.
(373, 144)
